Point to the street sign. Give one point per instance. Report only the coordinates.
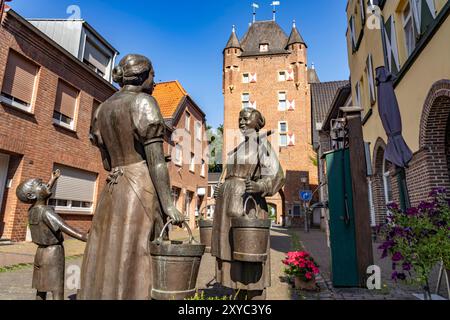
(306, 195)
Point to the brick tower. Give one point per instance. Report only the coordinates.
(267, 70)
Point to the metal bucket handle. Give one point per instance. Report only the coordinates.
(170, 221)
(246, 203)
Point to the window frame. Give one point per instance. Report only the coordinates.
(283, 133)
(187, 121)
(246, 75)
(192, 163)
(280, 79)
(16, 102)
(243, 102)
(281, 100)
(58, 122)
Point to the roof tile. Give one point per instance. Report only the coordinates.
(169, 95)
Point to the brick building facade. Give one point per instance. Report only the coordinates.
(267, 70)
(188, 168)
(47, 98)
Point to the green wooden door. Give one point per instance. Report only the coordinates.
(342, 225)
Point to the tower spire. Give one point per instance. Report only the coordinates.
(274, 10)
(254, 6)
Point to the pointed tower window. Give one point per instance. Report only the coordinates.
(264, 47)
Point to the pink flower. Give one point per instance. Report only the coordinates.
(308, 275)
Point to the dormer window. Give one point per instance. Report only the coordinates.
(264, 47)
(95, 58)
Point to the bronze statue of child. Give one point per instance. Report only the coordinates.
(47, 229)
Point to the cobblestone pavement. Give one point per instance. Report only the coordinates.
(16, 284)
(315, 243)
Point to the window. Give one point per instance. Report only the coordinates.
(187, 123)
(264, 47)
(409, 29)
(283, 129)
(391, 49)
(245, 100)
(245, 78)
(297, 211)
(95, 58)
(203, 171)
(282, 105)
(352, 32)
(370, 78)
(358, 94)
(74, 190)
(192, 163)
(282, 76)
(188, 201)
(198, 130)
(175, 195)
(19, 82)
(65, 105)
(178, 154)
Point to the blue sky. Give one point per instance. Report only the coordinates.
(185, 38)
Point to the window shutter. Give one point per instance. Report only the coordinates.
(370, 73)
(20, 76)
(416, 7)
(75, 184)
(428, 14)
(363, 12)
(253, 77)
(66, 99)
(391, 46)
(291, 105)
(291, 139)
(253, 104)
(290, 75)
(96, 57)
(352, 32)
(358, 94)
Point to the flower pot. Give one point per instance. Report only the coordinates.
(305, 285)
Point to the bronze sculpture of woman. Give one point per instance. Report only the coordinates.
(252, 169)
(128, 129)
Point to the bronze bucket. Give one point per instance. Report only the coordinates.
(250, 237)
(206, 233)
(175, 267)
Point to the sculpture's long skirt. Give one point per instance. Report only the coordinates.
(116, 262)
(229, 272)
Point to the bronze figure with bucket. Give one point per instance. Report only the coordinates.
(252, 170)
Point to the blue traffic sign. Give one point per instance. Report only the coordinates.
(306, 195)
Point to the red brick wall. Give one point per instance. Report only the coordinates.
(34, 137)
(180, 176)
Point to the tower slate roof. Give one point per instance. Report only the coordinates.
(264, 32)
(312, 76)
(295, 37)
(233, 42)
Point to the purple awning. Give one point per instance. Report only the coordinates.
(397, 150)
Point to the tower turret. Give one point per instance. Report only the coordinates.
(231, 54)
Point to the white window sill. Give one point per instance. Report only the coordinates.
(63, 125)
(16, 105)
(77, 211)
